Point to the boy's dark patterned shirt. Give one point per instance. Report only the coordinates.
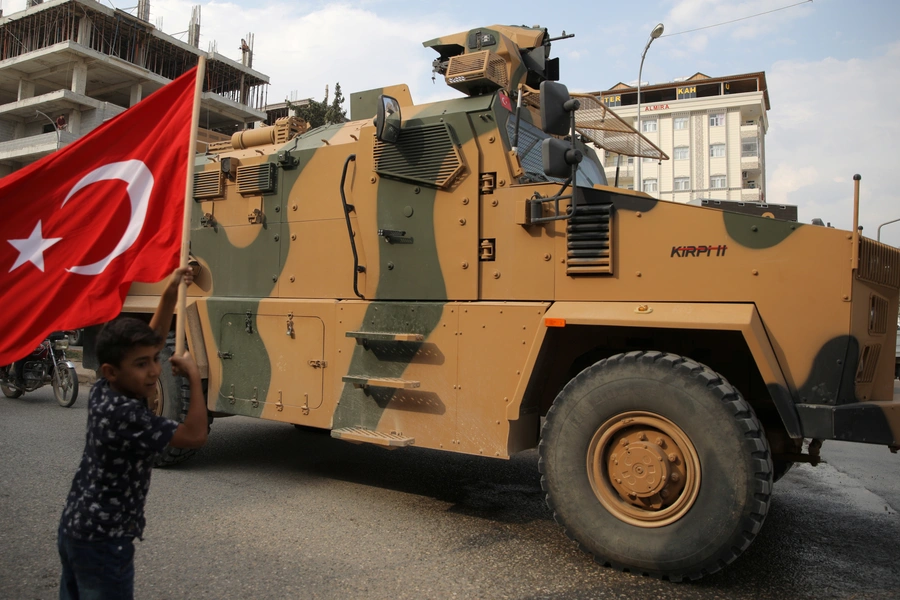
(110, 487)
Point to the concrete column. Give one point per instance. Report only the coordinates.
(26, 89)
(79, 77)
(85, 27)
(137, 91)
(74, 125)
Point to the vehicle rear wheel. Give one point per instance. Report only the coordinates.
(65, 384)
(172, 400)
(655, 464)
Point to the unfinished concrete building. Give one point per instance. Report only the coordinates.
(68, 65)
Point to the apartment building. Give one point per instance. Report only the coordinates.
(66, 66)
(712, 128)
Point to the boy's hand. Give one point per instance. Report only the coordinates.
(180, 274)
(185, 365)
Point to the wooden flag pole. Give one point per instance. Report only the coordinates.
(188, 205)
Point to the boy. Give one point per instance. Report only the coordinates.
(105, 508)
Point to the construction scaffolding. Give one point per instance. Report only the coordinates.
(124, 36)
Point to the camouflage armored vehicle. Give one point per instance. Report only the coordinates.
(461, 276)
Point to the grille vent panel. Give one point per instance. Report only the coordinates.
(479, 70)
(878, 317)
(208, 184)
(425, 154)
(879, 263)
(589, 238)
(256, 179)
(868, 361)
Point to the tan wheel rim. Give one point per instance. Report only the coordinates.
(156, 404)
(643, 469)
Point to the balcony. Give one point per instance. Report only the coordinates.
(750, 195)
(749, 163)
(31, 148)
(750, 131)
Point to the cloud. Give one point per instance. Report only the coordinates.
(829, 120)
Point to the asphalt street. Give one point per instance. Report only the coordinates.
(269, 511)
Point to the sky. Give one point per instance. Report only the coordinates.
(832, 66)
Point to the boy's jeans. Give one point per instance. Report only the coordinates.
(96, 570)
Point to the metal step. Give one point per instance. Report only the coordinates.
(358, 434)
(389, 382)
(373, 336)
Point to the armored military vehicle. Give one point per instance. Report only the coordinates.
(461, 276)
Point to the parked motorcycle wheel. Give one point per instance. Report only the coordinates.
(9, 391)
(65, 384)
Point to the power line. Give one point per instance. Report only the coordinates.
(736, 20)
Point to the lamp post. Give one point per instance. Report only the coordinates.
(54, 126)
(657, 31)
(878, 238)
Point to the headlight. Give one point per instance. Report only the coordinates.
(61, 344)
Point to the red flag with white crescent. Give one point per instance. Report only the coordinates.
(82, 224)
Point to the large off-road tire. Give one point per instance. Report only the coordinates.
(780, 468)
(655, 464)
(172, 401)
(65, 384)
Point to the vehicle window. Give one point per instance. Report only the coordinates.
(530, 138)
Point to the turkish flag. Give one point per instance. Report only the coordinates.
(80, 225)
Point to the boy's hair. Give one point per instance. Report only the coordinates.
(121, 335)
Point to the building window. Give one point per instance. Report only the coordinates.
(717, 120)
(650, 185)
(717, 151)
(682, 184)
(749, 147)
(630, 160)
(629, 187)
(717, 182)
(681, 122)
(648, 126)
(682, 153)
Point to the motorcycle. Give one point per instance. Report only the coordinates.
(46, 364)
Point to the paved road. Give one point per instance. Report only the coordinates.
(267, 511)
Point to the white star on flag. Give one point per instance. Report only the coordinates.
(32, 249)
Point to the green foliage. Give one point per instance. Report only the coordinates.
(322, 113)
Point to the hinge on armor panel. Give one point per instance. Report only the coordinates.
(488, 183)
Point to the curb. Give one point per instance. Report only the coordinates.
(88, 376)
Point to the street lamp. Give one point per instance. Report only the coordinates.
(878, 238)
(657, 31)
(55, 127)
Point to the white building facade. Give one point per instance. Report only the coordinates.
(66, 66)
(712, 129)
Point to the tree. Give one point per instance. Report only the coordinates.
(322, 113)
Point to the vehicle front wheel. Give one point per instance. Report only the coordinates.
(9, 391)
(65, 384)
(172, 401)
(655, 464)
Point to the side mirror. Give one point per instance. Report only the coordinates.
(387, 120)
(559, 157)
(556, 106)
